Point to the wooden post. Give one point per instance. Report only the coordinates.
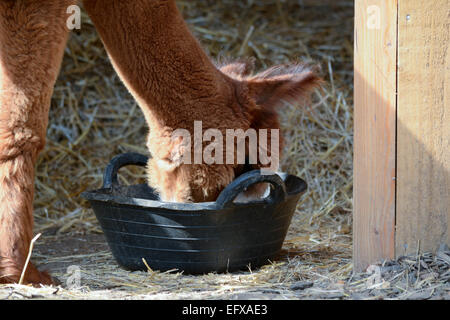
(401, 149)
(375, 58)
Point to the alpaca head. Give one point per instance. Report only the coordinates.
(243, 101)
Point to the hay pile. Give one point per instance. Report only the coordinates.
(93, 118)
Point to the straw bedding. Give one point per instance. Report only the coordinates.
(93, 118)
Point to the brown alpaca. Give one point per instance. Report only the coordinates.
(175, 83)
(169, 75)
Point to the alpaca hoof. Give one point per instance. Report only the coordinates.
(35, 277)
(32, 276)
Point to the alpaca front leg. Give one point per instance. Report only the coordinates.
(33, 34)
(16, 219)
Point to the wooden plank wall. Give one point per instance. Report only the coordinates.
(374, 131)
(423, 126)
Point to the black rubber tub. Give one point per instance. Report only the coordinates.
(193, 237)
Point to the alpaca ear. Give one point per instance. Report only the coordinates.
(281, 83)
(238, 69)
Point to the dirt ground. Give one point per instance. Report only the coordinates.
(86, 270)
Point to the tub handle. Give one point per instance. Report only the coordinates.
(110, 177)
(241, 183)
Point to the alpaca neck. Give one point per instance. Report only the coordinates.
(158, 59)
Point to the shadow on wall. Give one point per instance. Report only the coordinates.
(401, 178)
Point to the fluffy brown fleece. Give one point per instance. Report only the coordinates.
(169, 75)
(175, 84)
(32, 40)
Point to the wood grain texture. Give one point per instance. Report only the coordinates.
(374, 131)
(423, 132)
